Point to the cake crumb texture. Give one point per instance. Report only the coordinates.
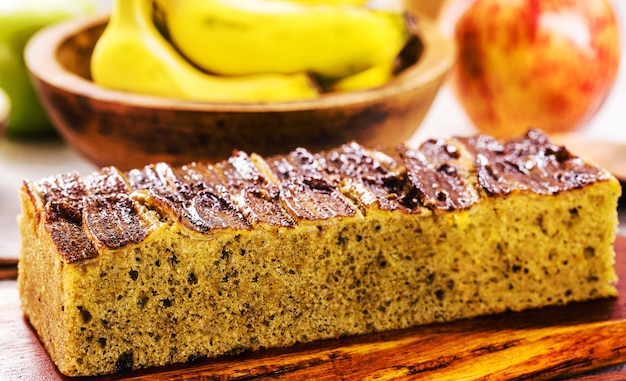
(161, 265)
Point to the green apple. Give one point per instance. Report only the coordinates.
(19, 20)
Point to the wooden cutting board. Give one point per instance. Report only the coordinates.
(537, 344)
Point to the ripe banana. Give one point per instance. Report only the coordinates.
(373, 77)
(236, 37)
(131, 55)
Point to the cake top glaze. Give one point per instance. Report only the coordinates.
(107, 209)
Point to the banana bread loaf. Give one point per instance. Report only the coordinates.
(125, 270)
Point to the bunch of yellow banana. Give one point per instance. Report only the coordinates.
(247, 50)
(132, 55)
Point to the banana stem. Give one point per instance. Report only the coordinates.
(126, 12)
(122, 10)
(144, 10)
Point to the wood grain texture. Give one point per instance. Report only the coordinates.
(8, 271)
(547, 343)
(619, 375)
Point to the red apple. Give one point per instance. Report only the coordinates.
(549, 64)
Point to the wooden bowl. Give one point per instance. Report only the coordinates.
(130, 130)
